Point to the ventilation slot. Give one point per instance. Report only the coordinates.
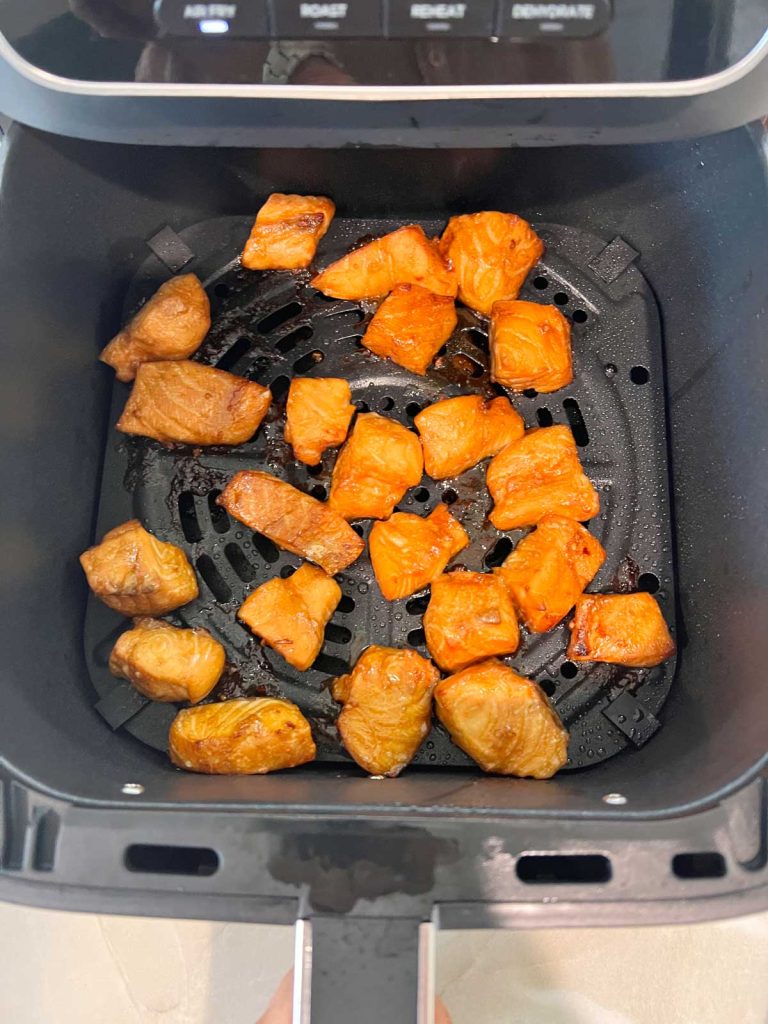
(287, 571)
(417, 638)
(308, 361)
(449, 496)
(280, 316)
(289, 342)
(219, 518)
(544, 417)
(479, 338)
(213, 579)
(498, 552)
(648, 582)
(699, 865)
(151, 859)
(576, 420)
(234, 354)
(266, 548)
(243, 568)
(279, 387)
(188, 518)
(337, 634)
(330, 666)
(417, 605)
(46, 839)
(346, 605)
(568, 670)
(421, 495)
(563, 869)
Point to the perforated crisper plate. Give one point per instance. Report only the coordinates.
(271, 326)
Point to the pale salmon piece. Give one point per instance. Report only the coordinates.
(286, 232)
(405, 256)
(530, 346)
(457, 433)
(408, 552)
(387, 713)
(241, 737)
(411, 326)
(549, 569)
(188, 403)
(170, 325)
(538, 474)
(470, 617)
(622, 629)
(293, 520)
(167, 663)
(137, 574)
(503, 721)
(492, 254)
(291, 615)
(379, 462)
(317, 416)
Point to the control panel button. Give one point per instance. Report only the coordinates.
(310, 19)
(239, 18)
(422, 18)
(526, 20)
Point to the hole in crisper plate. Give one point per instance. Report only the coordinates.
(289, 341)
(576, 421)
(190, 527)
(266, 548)
(498, 552)
(234, 354)
(213, 579)
(242, 567)
(279, 316)
(219, 518)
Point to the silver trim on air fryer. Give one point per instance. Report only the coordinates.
(391, 93)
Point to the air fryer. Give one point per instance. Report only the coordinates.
(643, 167)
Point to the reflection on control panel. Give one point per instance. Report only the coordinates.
(383, 42)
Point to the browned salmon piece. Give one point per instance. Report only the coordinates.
(387, 711)
(137, 574)
(549, 569)
(530, 346)
(405, 256)
(538, 474)
(318, 414)
(379, 462)
(503, 721)
(170, 325)
(292, 519)
(457, 433)
(492, 254)
(411, 326)
(290, 615)
(623, 629)
(241, 737)
(286, 232)
(408, 552)
(188, 403)
(470, 617)
(167, 663)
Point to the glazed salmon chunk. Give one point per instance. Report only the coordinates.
(292, 519)
(286, 232)
(167, 663)
(137, 574)
(492, 253)
(170, 325)
(379, 462)
(188, 403)
(290, 615)
(241, 737)
(405, 256)
(408, 552)
(623, 629)
(470, 617)
(538, 474)
(503, 721)
(530, 346)
(411, 326)
(457, 433)
(387, 710)
(549, 569)
(318, 413)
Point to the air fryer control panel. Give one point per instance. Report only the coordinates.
(383, 42)
(383, 19)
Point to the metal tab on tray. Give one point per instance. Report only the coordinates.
(627, 715)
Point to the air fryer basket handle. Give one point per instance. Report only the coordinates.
(352, 969)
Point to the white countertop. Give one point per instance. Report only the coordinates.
(58, 968)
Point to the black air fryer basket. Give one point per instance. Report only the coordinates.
(656, 251)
